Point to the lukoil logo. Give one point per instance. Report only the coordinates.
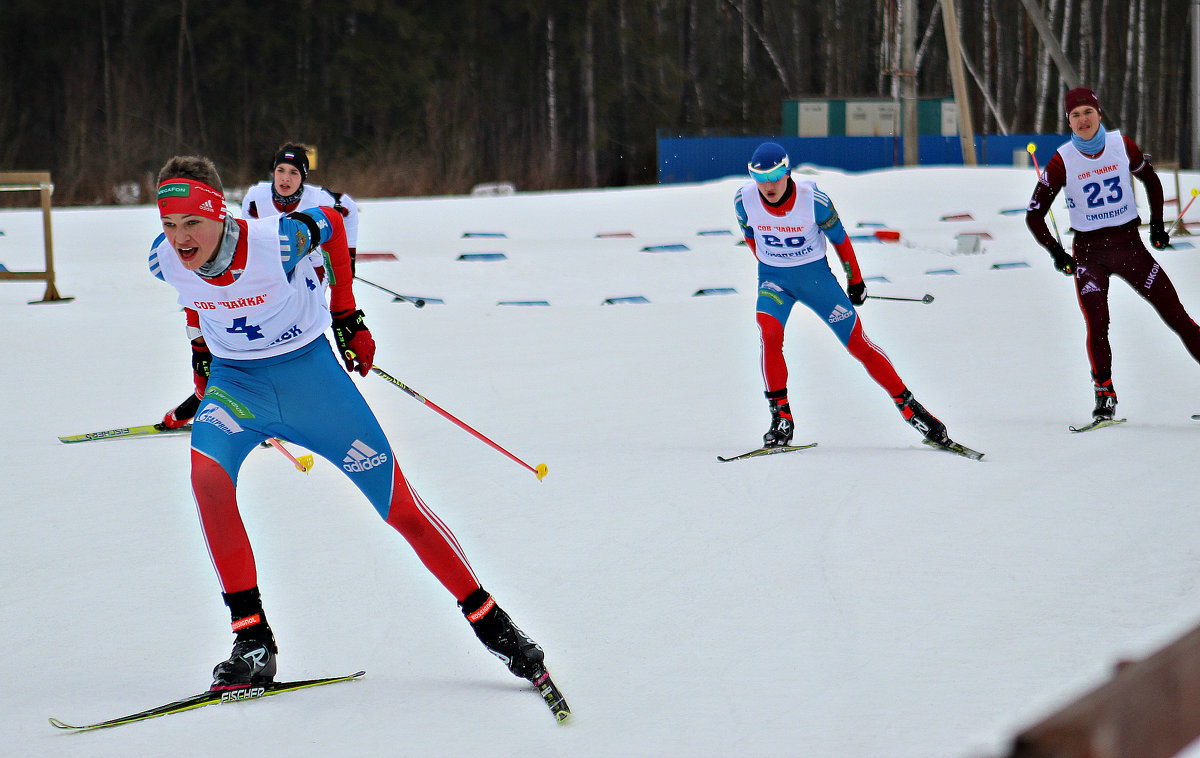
(360, 457)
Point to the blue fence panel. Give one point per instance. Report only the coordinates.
(698, 159)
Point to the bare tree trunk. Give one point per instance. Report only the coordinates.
(747, 22)
(591, 172)
(887, 63)
(989, 47)
(1102, 60)
(934, 18)
(110, 116)
(1044, 74)
(1127, 94)
(1162, 135)
(179, 75)
(1085, 43)
(1021, 78)
(197, 104)
(1064, 42)
(551, 97)
(747, 75)
(1139, 123)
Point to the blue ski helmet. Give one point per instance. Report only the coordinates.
(769, 163)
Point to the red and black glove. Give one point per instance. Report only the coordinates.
(183, 413)
(355, 344)
(201, 366)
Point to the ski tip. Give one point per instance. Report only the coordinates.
(60, 725)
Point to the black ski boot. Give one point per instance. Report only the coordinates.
(502, 638)
(1106, 401)
(252, 661)
(782, 425)
(920, 419)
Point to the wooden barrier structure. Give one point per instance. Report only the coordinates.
(1148, 709)
(17, 181)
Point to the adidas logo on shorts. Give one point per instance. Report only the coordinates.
(840, 313)
(360, 457)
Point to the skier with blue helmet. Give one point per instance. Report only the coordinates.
(787, 224)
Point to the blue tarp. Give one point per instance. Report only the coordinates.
(698, 159)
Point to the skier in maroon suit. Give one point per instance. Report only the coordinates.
(1096, 168)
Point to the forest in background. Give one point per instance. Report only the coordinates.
(423, 98)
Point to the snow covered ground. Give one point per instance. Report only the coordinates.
(870, 597)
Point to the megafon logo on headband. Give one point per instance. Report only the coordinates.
(178, 189)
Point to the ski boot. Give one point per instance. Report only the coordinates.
(501, 637)
(920, 419)
(1106, 401)
(252, 661)
(782, 425)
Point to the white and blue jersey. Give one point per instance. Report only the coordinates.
(791, 249)
(274, 306)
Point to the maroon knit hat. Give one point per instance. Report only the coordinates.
(1081, 96)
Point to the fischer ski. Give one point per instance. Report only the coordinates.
(766, 451)
(552, 696)
(950, 446)
(211, 697)
(1100, 424)
(128, 431)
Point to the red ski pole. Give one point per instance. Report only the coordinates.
(1032, 148)
(1185, 210)
(540, 470)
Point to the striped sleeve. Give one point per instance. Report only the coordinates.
(155, 268)
(827, 217)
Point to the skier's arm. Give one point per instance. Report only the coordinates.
(831, 226)
(1140, 166)
(743, 220)
(323, 227)
(1052, 180)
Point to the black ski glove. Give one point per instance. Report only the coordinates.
(1158, 235)
(201, 367)
(1062, 261)
(857, 292)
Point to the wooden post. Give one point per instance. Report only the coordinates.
(958, 78)
(16, 181)
(908, 81)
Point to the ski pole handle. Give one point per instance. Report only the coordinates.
(926, 299)
(418, 302)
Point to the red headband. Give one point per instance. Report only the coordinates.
(191, 197)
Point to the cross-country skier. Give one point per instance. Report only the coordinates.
(1096, 167)
(265, 369)
(786, 223)
(287, 190)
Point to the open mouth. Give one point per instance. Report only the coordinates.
(187, 253)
